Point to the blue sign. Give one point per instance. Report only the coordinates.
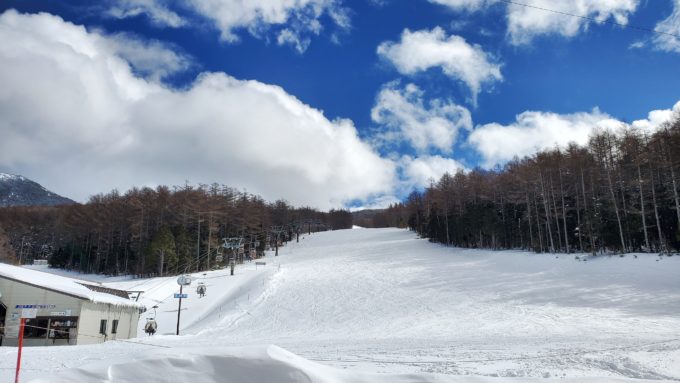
(181, 295)
(42, 307)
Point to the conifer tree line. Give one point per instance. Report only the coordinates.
(158, 231)
(619, 193)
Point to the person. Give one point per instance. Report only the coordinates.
(52, 334)
(150, 327)
(201, 290)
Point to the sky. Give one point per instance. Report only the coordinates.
(323, 103)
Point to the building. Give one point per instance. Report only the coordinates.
(67, 311)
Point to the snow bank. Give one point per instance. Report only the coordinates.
(256, 365)
(62, 284)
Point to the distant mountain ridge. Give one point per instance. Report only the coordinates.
(16, 190)
(367, 218)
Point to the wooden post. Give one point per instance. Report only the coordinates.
(21, 344)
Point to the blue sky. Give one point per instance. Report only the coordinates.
(433, 111)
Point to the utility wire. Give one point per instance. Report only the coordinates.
(92, 336)
(607, 21)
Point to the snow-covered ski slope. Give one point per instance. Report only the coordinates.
(381, 305)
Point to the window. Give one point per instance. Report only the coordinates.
(63, 327)
(102, 327)
(114, 326)
(51, 327)
(36, 328)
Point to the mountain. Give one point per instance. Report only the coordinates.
(367, 217)
(16, 190)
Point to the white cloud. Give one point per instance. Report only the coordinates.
(152, 59)
(421, 50)
(525, 23)
(638, 45)
(465, 5)
(76, 118)
(295, 20)
(420, 171)
(546, 17)
(158, 14)
(380, 202)
(656, 118)
(670, 25)
(405, 117)
(415, 173)
(288, 36)
(378, 3)
(534, 131)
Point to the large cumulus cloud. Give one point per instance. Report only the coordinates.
(75, 116)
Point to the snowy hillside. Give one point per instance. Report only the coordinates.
(353, 305)
(16, 190)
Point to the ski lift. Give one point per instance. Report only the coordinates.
(201, 289)
(150, 326)
(233, 245)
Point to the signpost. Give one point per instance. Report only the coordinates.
(21, 344)
(184, 280)
(27, 312)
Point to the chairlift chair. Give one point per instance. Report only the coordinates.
(201, 289)
(150, 326)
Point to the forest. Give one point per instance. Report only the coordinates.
(148, 232)
(617, 194)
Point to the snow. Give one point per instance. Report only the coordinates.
(82, 277)
(5, 176)
(62, 284)
(381, 305)
(251, 365)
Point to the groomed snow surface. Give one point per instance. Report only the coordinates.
(381, 305)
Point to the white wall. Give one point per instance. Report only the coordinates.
(93, 313)
(89, 313)
(15, 293)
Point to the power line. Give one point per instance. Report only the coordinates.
(607, 21)
(99, 336)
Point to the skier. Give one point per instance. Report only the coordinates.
(150, 326)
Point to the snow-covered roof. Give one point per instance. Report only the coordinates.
(63, 285)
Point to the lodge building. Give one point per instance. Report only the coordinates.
(66, 311)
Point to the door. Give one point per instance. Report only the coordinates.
(3, 313)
